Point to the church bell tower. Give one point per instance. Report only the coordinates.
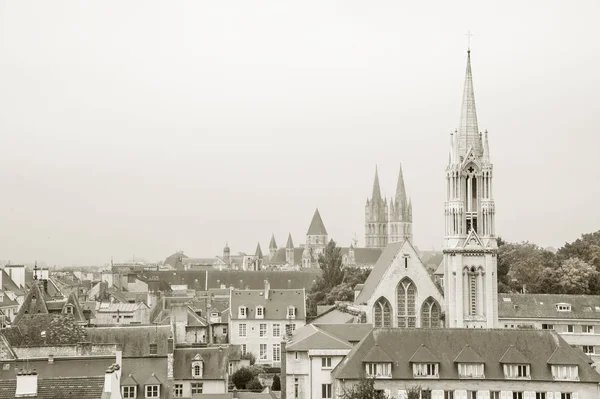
(470, 245)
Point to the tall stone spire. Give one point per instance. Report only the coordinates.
(290, 243)
(273, 244)
(400, 192)
(376, 189)
(486, 148)
(468, 130)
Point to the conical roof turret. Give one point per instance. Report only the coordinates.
(468, 130)
(486, 148)
(376, 197)
(290, 243)
(316, 228)
(273, 244)
(258, 253)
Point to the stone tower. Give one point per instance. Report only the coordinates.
(400, 214)
(289, 251)
(227, 254)
(470, 246)
(258, 257)
(316, 236)
(376, 218)
(272, 247)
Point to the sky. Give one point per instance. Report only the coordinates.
(140, 128)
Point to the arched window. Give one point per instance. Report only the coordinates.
(430, 314)
(197, 369)
(406, 294)
(382, 313)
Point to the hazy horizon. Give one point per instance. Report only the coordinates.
(145, 128)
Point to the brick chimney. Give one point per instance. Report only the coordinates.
(283, 376)
(170, 351)
(27, 384)
(267, 290)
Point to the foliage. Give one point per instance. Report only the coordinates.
(364, 389)
(276, 386)
(249, 356)
(256, 370)
(530, 266)
(330, 262)
(241, 377)
(254, 385)
(417, 392)
(575, 276)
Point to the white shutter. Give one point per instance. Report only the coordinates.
(460, 394)
(575, 395)
(550, 395)
(483, 394)
(557, 395)
(503, 395)
(526, 395)
(437, 394)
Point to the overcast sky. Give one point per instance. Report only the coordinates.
(147, 127)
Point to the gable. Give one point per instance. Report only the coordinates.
(473, 241)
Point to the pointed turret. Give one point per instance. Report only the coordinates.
(409, 210)
(316, 228)
(258, 253)
(290, 243)
(451, 153)
(272, 244)
(486, 148)
(400, 191)
(376, 189)
(468, 129)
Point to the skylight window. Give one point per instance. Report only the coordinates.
(563, 307)
(505, 299)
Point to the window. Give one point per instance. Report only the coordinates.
(296, 388)
(565, 395)
(379, 370)
(289, 328)
(563, 307)
(589, 349)
(69, 309)
(224, 330)
(242, 331)
(470, 370)
(243, 349)
(495, 395)
(473, 294)
(260, 312)
(560, 372)
(295, 355)
(516, 371)
(406, 293)
(430, 314)
(325, 362)
(197, 387)
(153, 391)
(570, 328)
(197, 369)
(153, 349)
(449, 395)
(540, 395)
(242, 312)
(276, 352)
(263, 352)
(230, 368)
(517, 395)
(382, 313)
(326, 391)
(422, 370)
(263, 330)
(178, 391)
(276, 330)
(291, 312)
(129, 392)
(587, 329)
(547, 327)
(471, 394)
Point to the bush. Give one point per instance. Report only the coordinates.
(249, 356)
(242, 377)
(276, 383)
(254, 385)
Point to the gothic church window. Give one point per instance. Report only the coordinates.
(382, 313)
(406, 294)
(430, 314)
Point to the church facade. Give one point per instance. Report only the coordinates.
(400, 291)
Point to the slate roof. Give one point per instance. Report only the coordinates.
(350, 332)
(364, 256)
(468, 355)
(423, 355)
(59, 328)
(543, 306)
(334, 316)
(280, 258)
(119, 307)
(564, 356)
(513, 356)
(216, 361)
(311, 337)
(6, 302)
(62, 367)
(275, 308)
(59, 388)
(134, 340)
(376, 355)
(9, 285)
(34, 303)
(316, 228)
(447, 344)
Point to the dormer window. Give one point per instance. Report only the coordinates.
(197, 369)
(242, 312)
(517, 371)
(565, 372)
(563, 307)
(291, 312)
(260, 312)
(470, 370)
(425, 370)
(69, 309)
(379, 370)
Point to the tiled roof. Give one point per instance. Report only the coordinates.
(364, 256)
(216, 361)
(280, 257)
(423, 355)
(348, 332)
(34, 303)
(376, 355)
(275, 308)
(6, 302)
(129, 380)
(256, 395)
(311, 337)
(334, 316)
(119, 307)
(513, 356)
(9, 285)
(255, 280)
(316, 228)
(59, 328)
(543, 306)
(468, 355)
(565, 356)
(446, 344)
(59, 388)
(66, 367)
(135, 340)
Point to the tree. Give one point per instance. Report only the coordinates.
(249, 356)
(586, 248)
(241, 377)
(530, 268)
(254, 385)
(364, 389)
(575, 276)
(330, 262)
(276, 386)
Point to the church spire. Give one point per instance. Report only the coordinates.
(400, 191)
(376, 189)
(486, 148)
(468, 130)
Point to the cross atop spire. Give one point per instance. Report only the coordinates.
(468, 131)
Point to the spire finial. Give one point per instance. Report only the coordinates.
(468, 35)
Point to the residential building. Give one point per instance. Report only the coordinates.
(121, 313)
(260, 318)
(468, 363)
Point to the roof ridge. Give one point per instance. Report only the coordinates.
(332, 336)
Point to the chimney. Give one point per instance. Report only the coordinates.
(50, 359)
(45, 273)
(241, 284)
(289, 284)
(267, 289)
(108, 379)
(283, 376)
(26, 384)
(119, 355)
(170, 350)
